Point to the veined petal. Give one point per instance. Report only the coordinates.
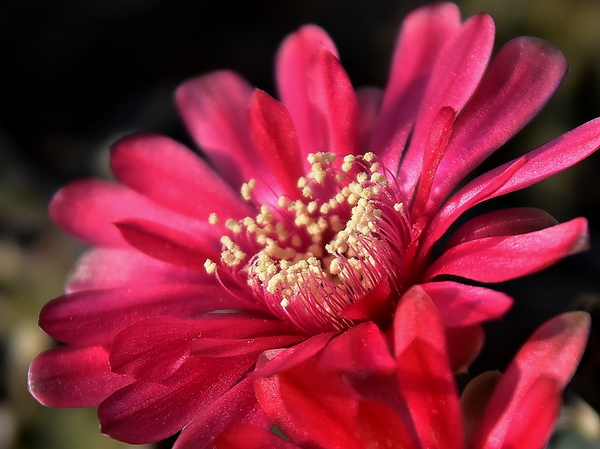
(498, 259)
(274, 136)
(238, 405)
(145, 412)
(423, 34)
(465, 305)
(520, 80)
(221, 347)
(73, 377)
(332, 95)
(552, 353)
(87, 210)
(293, 59)
(214, 108)
(425, 379)
(174, 177)
(455, 76)
(101, 268)
(94, 317)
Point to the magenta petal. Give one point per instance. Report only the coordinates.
(455, 76)
(275, 138)
(214, 108)
(278, 361)
(423, 34)
(552, 353)
(145, 412)
(246, 436)
(361, 350)
(498, 259)
(219, 347)
(369, 101)
(464, 345)
(521, 79)
(102, 268)
(425, 379)
(502, 222)
(73, 377)
(332, 95)
(87, 210)
(238, 405)
(170, 244)
(465, 305)
(94, 317)
(166, 171)
(293, 59)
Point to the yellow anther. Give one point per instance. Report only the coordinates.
(210, 266)
(213, 219)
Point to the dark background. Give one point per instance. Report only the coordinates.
(78, 74)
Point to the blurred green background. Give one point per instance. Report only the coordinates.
(79, 74)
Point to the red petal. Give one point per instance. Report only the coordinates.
(464, 305)
(521, 79)
(361, 350)
(455, 76)
(293, 59)
(423, 33)
(552, 353)
(278, 361)
(246, 436)
(214, 108)
(101, 268)
(473, 401)
(369, 102)
(168, 173)
(238, 405)
(425, 379)
(464, 345)
(334, 100)
(94, 317)
(219, 347)
(275, 138)
(73, 377)
(311, 407)
(171, 244)
(498, 259)
(145, 412)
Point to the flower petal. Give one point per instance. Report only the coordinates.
(551, 353)
(100, 268)
(332, 95)
(170, 244)
(464, 345)
(424, 32)
(369, 103)
(455, 76)
(94, 317)
(174, 177)
(425, 379)
(238, 405)
(274, 136)
(246, 436)
(214, 108)
(520, 80)
(87, 210)
(145, 412)
(293, 59)
(361, 350)
(498, 259)
(73, 377)
(465, 305)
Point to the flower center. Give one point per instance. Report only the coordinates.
(310, 260)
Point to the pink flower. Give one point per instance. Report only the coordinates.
(418, 406)
(343, 196)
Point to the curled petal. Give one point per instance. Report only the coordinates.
(73, 377)
(498, 259)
